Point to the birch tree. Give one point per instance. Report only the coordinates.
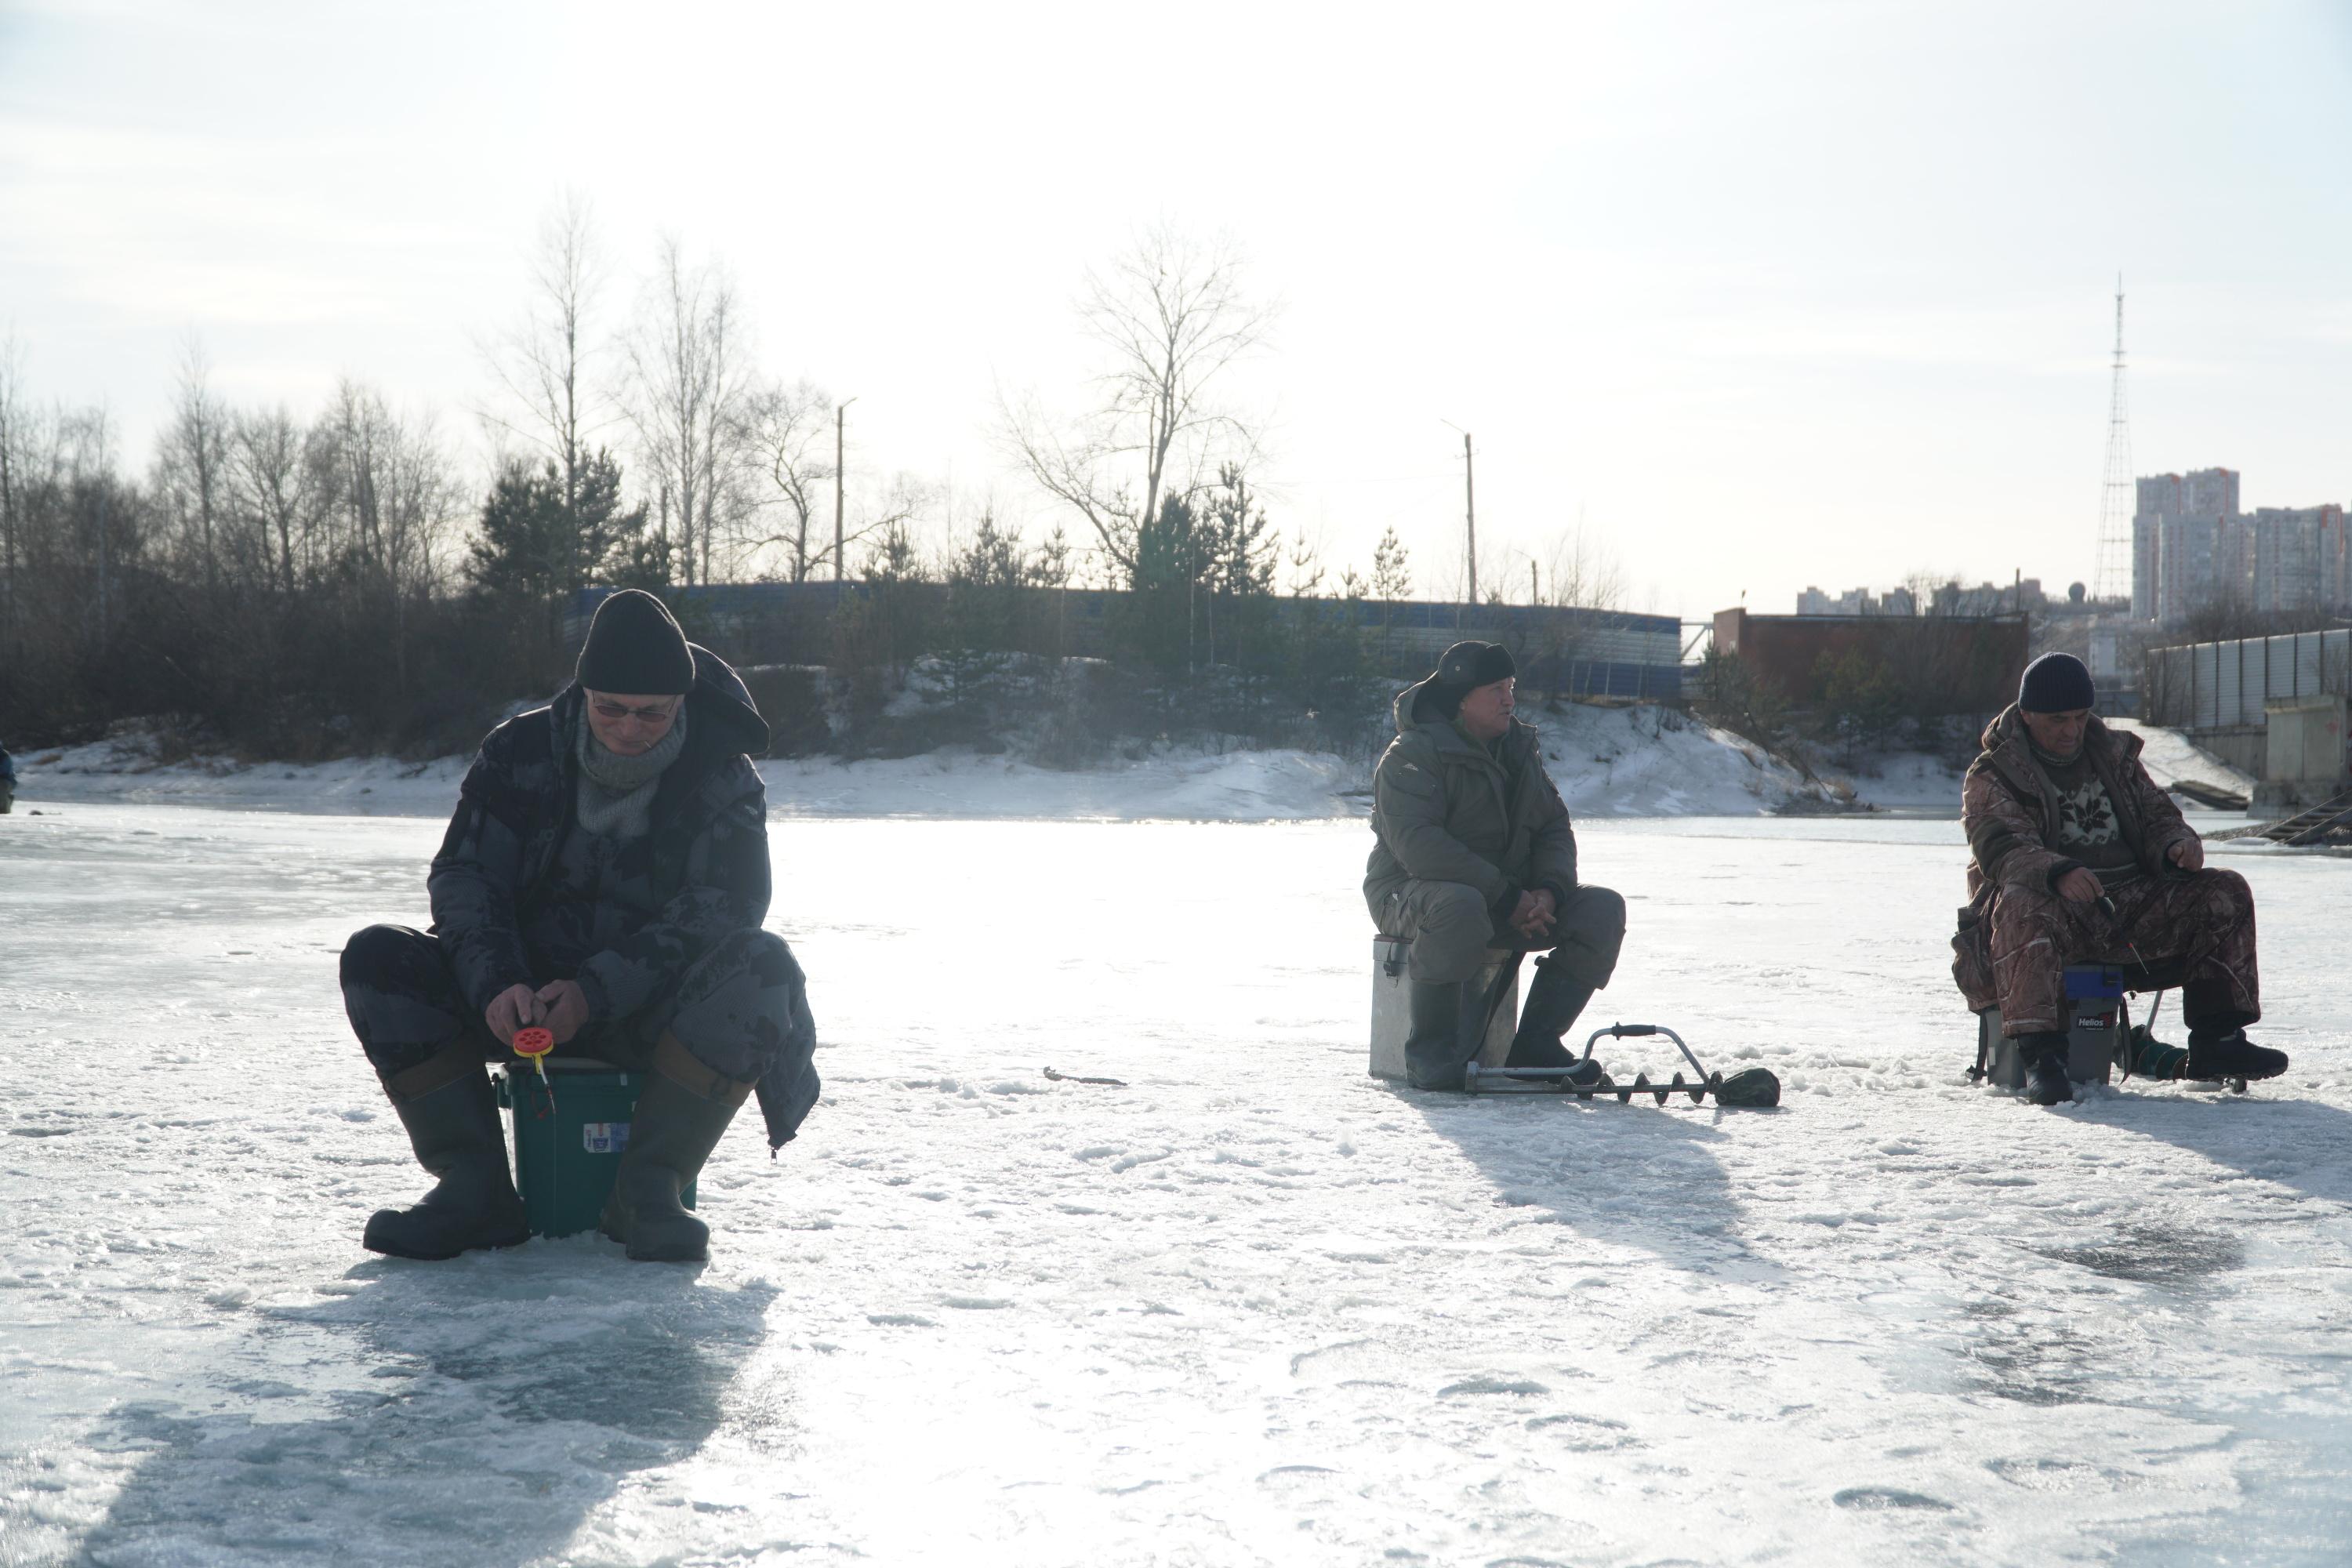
(689, 378)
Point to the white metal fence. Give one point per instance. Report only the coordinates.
(2212, 685)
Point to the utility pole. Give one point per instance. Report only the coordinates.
(1470, 514)
(1470, 517)
(1535, 595)
(840, 429)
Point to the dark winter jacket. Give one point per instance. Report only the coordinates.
(2010, 812)
(704, 862)
(1445, 809)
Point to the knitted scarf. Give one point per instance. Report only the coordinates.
(616, 793)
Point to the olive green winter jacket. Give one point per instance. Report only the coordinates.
(1444, 809)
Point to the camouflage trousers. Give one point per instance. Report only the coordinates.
(2197, 930)
(738, 1009)
(1453, 937)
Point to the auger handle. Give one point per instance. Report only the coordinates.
(1634, 1031)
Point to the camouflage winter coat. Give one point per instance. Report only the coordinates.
(1445, 810)
(704, 860)
(2010, 813)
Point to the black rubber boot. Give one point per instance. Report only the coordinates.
(2232, 1055)
(2044, 1057)
(681, 1114)
(1433, 1053)
(454, 1128)
(1554, 1001)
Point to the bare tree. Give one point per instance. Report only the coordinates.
(276, 477)
(688, 364)
(1582, 573)
(787, 429)
(1171, 315)
(394, 503)
(191, 460)
(543, 364)
(16, 437)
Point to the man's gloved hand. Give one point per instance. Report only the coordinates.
(511, 1009)
(566, 1006)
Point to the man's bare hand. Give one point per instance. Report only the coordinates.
(2079, 886)
(567, 1008)
(2188, 853)
(1534, 915)
(512, 1009)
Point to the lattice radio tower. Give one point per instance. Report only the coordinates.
(2113, 578)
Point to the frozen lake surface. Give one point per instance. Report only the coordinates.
(1252, 1308)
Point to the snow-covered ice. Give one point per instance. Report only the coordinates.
(1252, 1308)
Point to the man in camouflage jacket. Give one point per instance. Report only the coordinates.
(1473, 857)
(2077, 856)
(605, 876)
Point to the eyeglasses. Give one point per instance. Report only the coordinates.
(613, 713)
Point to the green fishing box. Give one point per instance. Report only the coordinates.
(565, 1155)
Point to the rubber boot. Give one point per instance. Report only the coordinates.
(681, 1114)
(2044, 1057)
(1554, 1001)
(451, 1118)
(2232, 1055)
(1433, 1057)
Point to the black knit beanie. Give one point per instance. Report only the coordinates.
(2055, 683)
(634, 647)
(1467, 666)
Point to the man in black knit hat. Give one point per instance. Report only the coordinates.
(1473, 856)
(2078, 857)
(605, 876)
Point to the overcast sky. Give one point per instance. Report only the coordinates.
(1767, 294)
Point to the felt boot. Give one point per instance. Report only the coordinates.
(1554, 1003)
(2044, 1057)
(1434, 1052)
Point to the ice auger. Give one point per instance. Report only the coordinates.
(1749, 1086)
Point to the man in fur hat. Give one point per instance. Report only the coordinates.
(1473, 856)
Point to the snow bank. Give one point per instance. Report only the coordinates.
(2169, 756)
(1661, 762)
(1608, 762)
(1914, 781)
(124, 769)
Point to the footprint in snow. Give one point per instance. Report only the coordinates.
(1882, 1499)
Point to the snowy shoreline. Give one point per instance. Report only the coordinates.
(1608, 763)
(1626, 762)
